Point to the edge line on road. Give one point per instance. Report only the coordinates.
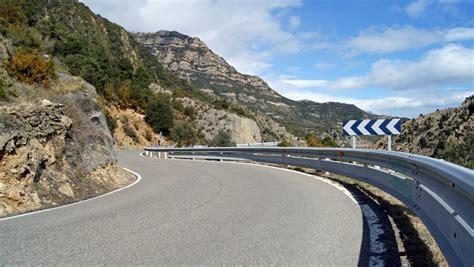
(139, 177)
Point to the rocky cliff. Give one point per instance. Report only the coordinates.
(446, 134)
(57, 150)
(192, 60)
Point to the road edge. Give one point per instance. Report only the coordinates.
(139, 178)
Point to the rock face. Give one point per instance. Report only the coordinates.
(446, 134)
(52, 152)
(192, 60)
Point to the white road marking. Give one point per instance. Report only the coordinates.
(139, 177)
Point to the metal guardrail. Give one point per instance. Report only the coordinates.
(439, 192)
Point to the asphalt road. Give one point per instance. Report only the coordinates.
(194, 212)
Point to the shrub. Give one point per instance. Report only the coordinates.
(148, 135)
(222, 139)
(159, 114)
(3, 94)
(111, 123)
(30, 67)
(422, 143)
(221, 104)
(314, 141)
(189, 111)
(184, 134)
(329, 142)
(129, 131)
(285, 143)
(178, 105)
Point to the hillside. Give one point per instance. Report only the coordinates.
(55, 146)
(445, 134)
(192, 60)
(127, 77)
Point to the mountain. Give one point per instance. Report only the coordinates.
(445, 134)
(126, 75)
(192, 60)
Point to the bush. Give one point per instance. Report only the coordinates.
(111, 123)
(178, 105)
(30, 67)
(189, 111)
(184, 134)
(159, 114)
(222, 139)
(3, 94)
(285, 143)
(423, 143)
(128, 130)
(314, 141)
(148, 135)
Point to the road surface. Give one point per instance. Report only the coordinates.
(194, 212)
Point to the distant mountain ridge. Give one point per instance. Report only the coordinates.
(192, 60)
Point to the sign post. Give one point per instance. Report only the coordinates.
(387, 127)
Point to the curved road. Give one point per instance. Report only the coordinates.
(193, 212)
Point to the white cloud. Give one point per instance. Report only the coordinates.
(392, 39)
(294, 23)
(417, 8)
(404, 106)
(374, 41)
(459, 34)
(324, 65)
(246, 33)
(447, 66)
(300, 83)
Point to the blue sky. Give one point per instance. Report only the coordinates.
(397, 58)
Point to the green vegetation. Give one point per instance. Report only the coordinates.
(178, 105)
(222, 139)
(99, 51)
(3, 94)
(285, 143)
(190, 112)
(314, 141)
(159, 114)
(184, 134)
(457, 153)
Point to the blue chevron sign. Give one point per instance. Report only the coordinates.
(372, 127)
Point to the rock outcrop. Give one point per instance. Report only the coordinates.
(209, 121)
(55, 151)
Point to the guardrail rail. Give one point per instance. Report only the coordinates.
(439, 192)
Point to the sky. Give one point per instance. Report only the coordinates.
(391, 57)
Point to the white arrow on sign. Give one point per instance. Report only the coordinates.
(376, 127)
(361, 127)
(348, 126)
(391, 126)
